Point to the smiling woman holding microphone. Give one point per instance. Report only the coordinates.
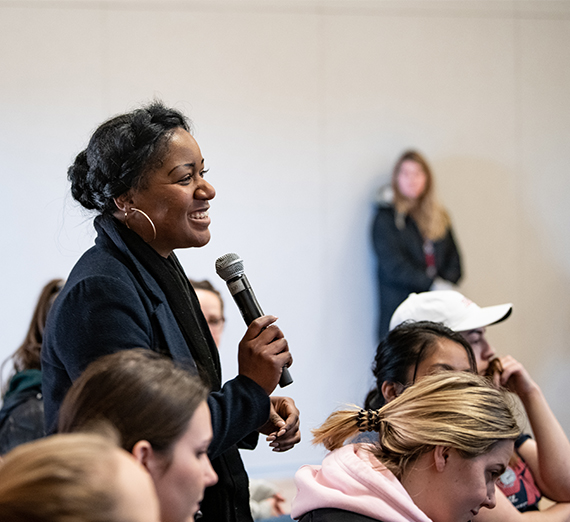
(143, 173)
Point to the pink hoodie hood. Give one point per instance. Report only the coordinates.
(351, 478)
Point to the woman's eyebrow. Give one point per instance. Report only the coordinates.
(189, 165)
(442, 366)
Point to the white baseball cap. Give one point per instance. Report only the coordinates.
(451, 308)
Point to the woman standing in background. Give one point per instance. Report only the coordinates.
(412, 237)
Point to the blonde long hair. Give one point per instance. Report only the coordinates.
(455, 409)
(62, 478)
(431, 218)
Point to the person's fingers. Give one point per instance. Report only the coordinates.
(259, 325)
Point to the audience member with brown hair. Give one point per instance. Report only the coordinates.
(22, 413)
(160, 413)
(212, 306)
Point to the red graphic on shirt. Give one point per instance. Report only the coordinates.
(517, 483)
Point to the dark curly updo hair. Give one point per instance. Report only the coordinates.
(121, 152)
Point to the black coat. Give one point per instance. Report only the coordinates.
(110, 302)
(401, 261)
(22, 413)
(335, 515)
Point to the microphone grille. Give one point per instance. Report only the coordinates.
(229, 266)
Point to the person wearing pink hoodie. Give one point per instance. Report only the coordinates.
(442, 445)
(540, 465)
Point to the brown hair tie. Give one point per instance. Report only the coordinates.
(368, 420)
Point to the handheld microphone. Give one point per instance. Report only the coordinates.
(230, 268)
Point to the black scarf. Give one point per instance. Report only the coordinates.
(181, 297)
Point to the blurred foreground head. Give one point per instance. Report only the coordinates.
(75, 478)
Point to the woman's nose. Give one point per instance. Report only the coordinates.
(205, 191)
(212, 476)
(491, 500)
(487, 352)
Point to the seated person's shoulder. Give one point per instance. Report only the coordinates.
(335, 515)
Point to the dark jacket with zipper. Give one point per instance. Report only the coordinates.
(22, 413)
(401, 262)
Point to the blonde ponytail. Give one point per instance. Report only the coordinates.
(456, 409)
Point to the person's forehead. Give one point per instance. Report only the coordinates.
(445, 354)
(475, 331)
(208, 296)
(446, 348)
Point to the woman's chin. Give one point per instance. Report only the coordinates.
(197, 240)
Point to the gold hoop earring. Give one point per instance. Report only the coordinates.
(146, 216)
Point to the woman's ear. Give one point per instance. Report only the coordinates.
(390, 390)
(152, 461)
(124, 202)
(440, 457)
(144, 453)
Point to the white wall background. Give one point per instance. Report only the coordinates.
(301, 108)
